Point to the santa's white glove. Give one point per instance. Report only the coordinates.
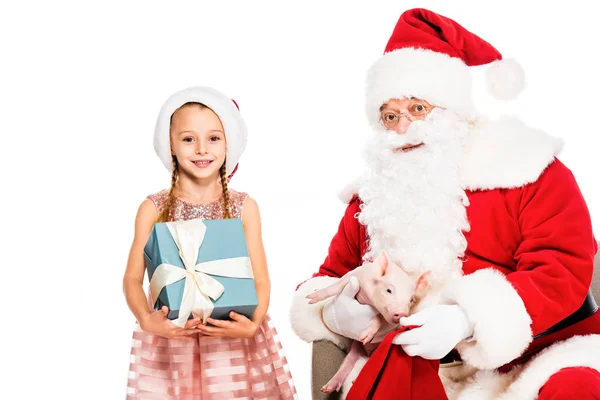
(441, 328)
(345, 316)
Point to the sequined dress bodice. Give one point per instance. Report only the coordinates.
(184, 210)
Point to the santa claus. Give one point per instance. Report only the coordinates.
(487, 207)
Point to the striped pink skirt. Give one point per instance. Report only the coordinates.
(209, 368)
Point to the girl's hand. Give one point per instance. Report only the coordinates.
(158, 323)
(240, 327)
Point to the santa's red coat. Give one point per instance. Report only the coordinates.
(539, 236)
(528, 265)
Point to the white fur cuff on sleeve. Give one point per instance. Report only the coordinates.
(502, 326)
(306, 319)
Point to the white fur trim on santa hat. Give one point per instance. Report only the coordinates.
(502, 326)
(306, 319)
(435, 77)
(506, 153)
(505, 79)
(233, 123)
(348, 191)
(578, 351)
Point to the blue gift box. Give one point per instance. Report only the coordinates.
(223, 239)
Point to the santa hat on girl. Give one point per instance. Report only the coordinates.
(428, 56)
(226, 109)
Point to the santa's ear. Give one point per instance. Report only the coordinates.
(382, 263)
(422, 283)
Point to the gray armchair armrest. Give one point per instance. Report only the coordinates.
(326, 359)
(596, 278)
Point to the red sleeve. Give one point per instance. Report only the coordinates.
(345, 249)
(556, 255)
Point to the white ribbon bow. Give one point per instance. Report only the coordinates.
(199, 287)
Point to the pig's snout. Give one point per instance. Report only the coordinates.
(396, 317)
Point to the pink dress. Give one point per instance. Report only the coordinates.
(209, 367)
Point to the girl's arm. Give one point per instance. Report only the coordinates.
(258, 259)
(134, 273)
(155, 322)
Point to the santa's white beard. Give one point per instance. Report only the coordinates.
(414, 205)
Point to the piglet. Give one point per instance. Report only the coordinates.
(384, 286)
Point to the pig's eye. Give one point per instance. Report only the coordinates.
(413, 299)
(389, 291)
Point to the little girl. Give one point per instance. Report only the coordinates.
(199, 137)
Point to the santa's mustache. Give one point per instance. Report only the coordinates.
(386, 144)
(440, 126)
(414, 135)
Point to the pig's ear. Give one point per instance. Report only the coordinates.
(382, 262)
(422, 283)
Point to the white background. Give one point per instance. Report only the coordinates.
(80, 89)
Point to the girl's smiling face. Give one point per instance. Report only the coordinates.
(198, 141)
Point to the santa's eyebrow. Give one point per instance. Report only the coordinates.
(384, 105)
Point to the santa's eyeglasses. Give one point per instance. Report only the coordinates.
(417, 110)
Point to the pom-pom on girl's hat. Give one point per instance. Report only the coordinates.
(226, 109)
(428, 56)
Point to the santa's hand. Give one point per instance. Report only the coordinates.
(345, 316)
(440, 329)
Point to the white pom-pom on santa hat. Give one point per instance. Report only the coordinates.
(505, 79)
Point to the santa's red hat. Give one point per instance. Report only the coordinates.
(428, 56)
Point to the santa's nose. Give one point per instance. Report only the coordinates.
(402, 126)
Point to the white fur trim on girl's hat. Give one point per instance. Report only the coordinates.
(226, 109)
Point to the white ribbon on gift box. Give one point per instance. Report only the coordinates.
(199, 287)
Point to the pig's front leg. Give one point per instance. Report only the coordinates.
(329, 291)
(374, 326)
(335, 383)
